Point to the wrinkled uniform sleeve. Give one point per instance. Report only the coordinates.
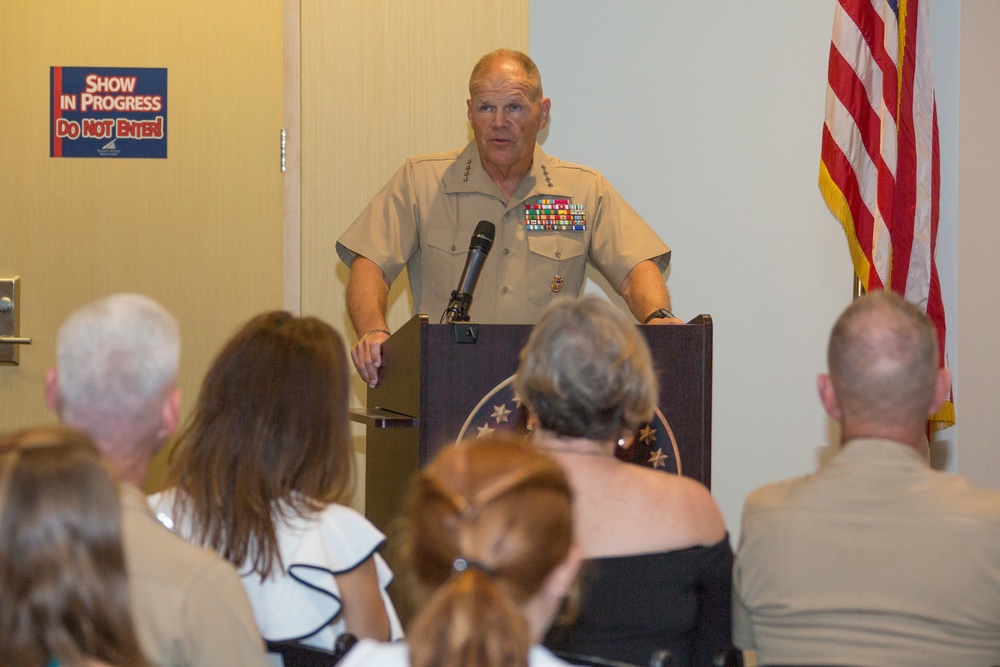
(621, 238)
(386, 230)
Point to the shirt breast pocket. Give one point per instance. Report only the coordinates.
(557, 264)
(446, 250)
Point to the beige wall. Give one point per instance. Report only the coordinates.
(978, 244)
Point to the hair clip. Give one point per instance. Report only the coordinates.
(462, 564)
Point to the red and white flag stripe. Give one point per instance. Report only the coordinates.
(880, 162)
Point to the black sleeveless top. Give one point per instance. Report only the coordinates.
(633, 606)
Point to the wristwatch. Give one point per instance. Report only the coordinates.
(659, 314)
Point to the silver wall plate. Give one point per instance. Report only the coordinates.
(10, 321)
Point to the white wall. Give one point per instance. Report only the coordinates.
(708, 119)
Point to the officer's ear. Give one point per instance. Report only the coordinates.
(828, 396)
(546, 106)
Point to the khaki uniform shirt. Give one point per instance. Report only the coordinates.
(189, 607)
(873, 560)
(424, 218)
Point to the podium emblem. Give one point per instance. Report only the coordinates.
(501, 410)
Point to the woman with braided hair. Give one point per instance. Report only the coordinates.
(490, 540)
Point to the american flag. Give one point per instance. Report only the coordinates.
(880, 163)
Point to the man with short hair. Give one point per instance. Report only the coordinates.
(552, 218)
(115, 379)
(875, 559)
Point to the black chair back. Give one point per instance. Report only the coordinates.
(294, 654)
(590, 660)
(730, 658)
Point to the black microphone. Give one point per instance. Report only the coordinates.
(479, 248)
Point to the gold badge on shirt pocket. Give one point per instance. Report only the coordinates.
(556, 284)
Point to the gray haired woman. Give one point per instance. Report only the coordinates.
(657, 559)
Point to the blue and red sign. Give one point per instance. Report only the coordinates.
(111, 112)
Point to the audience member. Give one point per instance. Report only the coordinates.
(490, 541)
(875, 559)
(657, 561)
(260, 468)
(63, 586)
(115, 379)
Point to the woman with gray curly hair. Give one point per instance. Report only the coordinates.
(657, 559)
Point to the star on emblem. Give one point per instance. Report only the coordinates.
(500, 413)
(647, 434)
(484, 431)
(657, 458)
(517, 400)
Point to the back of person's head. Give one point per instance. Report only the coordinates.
(586, 371)
(269, 434)
(115, 360)
(883, 360)
(490, 520)
(63, 585)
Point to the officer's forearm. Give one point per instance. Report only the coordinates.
(367, 296)
(644, 290)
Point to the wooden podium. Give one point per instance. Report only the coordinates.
(439, 382)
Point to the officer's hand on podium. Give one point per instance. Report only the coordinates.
(367, 355)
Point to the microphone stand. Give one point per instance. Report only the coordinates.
(458, 308)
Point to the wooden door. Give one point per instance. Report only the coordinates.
(200, 231)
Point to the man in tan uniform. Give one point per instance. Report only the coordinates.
(552, 218)
(115, 379)
(876, 559)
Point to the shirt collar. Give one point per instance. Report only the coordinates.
(467, 175)
(871, 449)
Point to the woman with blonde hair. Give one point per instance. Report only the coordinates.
(260, 472)
(63, 588)
(657, 563)
(490, 541)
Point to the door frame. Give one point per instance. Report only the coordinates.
(292, 11)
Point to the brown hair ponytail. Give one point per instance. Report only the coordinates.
(469, 621)
(489, 522)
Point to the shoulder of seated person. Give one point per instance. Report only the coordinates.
(649, 481)
(685, 513)
(690, 503)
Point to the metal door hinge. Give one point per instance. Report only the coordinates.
(283, 145)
